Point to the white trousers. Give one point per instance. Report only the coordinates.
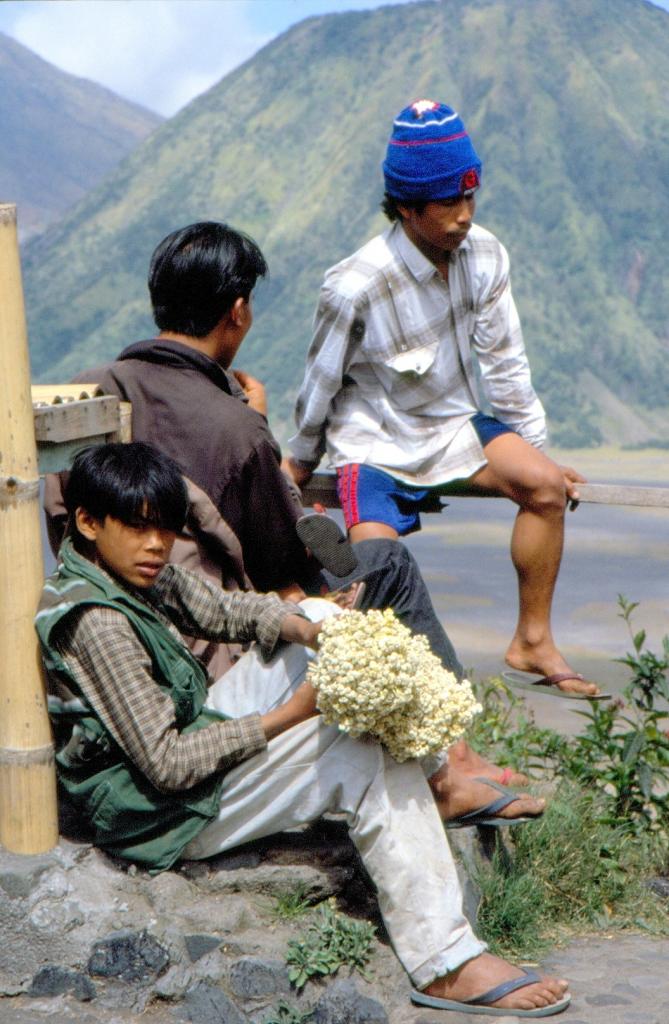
(315, 768)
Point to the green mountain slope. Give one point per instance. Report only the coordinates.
(60, 135)
(566, 102)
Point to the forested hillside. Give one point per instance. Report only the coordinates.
(61, 135)
(567, 103)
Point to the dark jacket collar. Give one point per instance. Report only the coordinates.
(173, 353)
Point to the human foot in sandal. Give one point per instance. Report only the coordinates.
(490, 986)
(464, 801)
(545, 661)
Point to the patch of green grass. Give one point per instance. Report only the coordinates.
(292, 903)
(568, 871)
(587, 862)
(507, 731)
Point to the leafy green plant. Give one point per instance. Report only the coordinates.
(623, 751)
(625, 745)
(292, 903)
(286, 1014)
(331, 941)
(508, 729)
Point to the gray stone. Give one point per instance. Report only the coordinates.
(21, 875)
(207, 1004)
(606, 999)
(131, 956)
(343, 1004)
(198, 945)
(55, 981)
(254, 978)
(660, 886)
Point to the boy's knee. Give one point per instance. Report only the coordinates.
(544, 488)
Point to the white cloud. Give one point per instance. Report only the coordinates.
(157, 52)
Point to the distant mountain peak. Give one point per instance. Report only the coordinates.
(61, 135)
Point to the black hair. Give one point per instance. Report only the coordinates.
(198, 272)
(390, 206)
(134, 483)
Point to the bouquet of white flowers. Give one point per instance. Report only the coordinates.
(373, 675)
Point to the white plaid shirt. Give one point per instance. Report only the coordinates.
(391, 379)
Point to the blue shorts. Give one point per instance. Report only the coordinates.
(488, 428)
(368, 495)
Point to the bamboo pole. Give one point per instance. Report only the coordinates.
(28, 812)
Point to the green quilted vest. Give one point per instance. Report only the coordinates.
(129, 816)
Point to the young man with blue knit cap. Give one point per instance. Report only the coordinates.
(391, 391)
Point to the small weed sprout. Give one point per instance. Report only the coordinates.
(286, 1014)
(331, 941)
(292, 903)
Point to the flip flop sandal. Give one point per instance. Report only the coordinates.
(488, 814)
(548, 684)
(481, 1004)
(327, 543)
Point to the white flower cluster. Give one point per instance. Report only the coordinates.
(373, 675)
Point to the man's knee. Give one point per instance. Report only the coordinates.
(543, 490)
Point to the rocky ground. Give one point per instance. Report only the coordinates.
(86, 939)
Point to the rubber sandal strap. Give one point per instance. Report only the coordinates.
(561, 677)
(529, 977)
(489, 810)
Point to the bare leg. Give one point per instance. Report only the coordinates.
(468, 762)
(536, 484)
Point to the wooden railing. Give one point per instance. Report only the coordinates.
(321, 488)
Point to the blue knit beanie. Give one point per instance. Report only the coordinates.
(430, 155)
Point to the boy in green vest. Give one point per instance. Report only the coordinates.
(162, 767)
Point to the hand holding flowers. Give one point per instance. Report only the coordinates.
(372, 675)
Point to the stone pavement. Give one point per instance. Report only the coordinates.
(617, 979)
(85, 940)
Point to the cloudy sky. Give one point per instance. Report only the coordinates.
(160, 53)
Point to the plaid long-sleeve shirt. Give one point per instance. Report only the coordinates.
(113, 670)
(390, 379)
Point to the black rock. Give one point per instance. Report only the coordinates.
(660, 886)
(200, 945)
(55, 981)
(343, 1004)
(207, 1004)
(252, 978)
(131, 956)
